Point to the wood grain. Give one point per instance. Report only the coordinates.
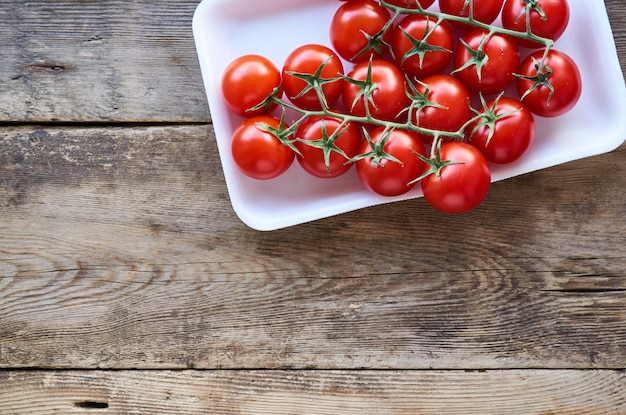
(527, 392)
(120, 250)
(129, 286)
(617, 18)
(99, 61)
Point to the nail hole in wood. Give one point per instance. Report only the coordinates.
(91, 405)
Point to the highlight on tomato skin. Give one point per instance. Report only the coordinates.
(247, 82)
(257, 152)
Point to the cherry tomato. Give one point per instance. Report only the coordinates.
(548, 18)
(388, 97)
(461, 185)
(321, 142)
(411, 4)
(247, 82)
(421, 46)
(307, 60)
(351, 25)
(451, 105)
(257, 152)
(486, 63)
(552, 89)
(506, 131)
(485, 11)
(390, 165)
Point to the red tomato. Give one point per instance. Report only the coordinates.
(485, 11)
(411, 4)
(460, 178)
(305, 61)
(386, 85)
(352, 24)
(390, 165)
(420, 46)
(257, 152)
(548, 18)
(552, 89)
(486, 63)
(450, 108)
(247, 82)
(505, 131)
(326, 145)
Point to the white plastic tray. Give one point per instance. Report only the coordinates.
(226, 29)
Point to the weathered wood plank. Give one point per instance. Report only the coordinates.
(119, 249)
(617, 17)
(527, 392)
(99, 61)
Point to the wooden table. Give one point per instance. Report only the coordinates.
(129, 285)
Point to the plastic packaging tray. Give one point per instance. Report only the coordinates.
(226, 29)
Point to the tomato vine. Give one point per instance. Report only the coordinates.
(365, 102)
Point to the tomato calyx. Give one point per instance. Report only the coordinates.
(541, 79)
(269, 101)
(378, 152)
(282, 132)
(488, 117)
(470, 4)
(366, 87)
(478, 57)
(531, 5)
(327, 143)
(419, 100)
(421, 46)
(375, 42)
(314, 82)
(435, 163)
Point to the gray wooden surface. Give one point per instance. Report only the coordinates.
(128, 284)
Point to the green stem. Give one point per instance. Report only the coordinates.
(527, 34)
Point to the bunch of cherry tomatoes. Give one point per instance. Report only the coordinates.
(408, 95)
